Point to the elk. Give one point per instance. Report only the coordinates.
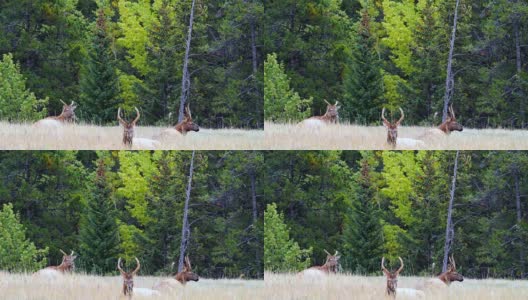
(128, 278)
(187, 123)
(450, 275)
(67, 116)
(330, 266)
(392, 283)
(128, 133)
(392, 133)
(450, 124)
(331, 116)
(186, 274)
(67, 266)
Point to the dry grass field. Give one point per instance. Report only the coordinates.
(355, 137)
(90, 137)
(83, 287)
(291, 286)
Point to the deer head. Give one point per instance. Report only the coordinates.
(331, 110)
(187, 123)
(68, 262)
(451, 274)
(128, 128)
(186, 274)
(128, 277)
(450, 124)
(68, 112)
(392, 128)
(392, 277)
(332, 261)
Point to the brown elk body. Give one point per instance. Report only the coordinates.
(128, 278)
(450, 274)
(392, 277)
(450, 124)
(128, 127)
(331, 115)
(186, 274)
(187, 123)
(67, 115)
(331, 264)
(67, 264)
(392, 127)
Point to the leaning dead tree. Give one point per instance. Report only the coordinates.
(450, 78)
(186, 81)
(450, 233)
(185, 226)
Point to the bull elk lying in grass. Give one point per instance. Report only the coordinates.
(330, 267)
(392, 289)
(128, 133)
(187, 123)
(331, 116)
(446, 127)
(445, 278)
(67, 266)
(66, 117)
(392, 133)
(186, 274)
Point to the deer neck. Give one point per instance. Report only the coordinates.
(444, 128)
(445, 278)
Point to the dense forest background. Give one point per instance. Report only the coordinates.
(105, 204)
(386, 203)
(105, 54)
(370, 54)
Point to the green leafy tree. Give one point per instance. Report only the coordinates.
(99, 81)
(17, 253)
(17, 103)
(281, 103)
(98, 231)
(280, 252)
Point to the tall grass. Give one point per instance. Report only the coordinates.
(292, 286)
(355, 137)
(81, 287)
(90, 137)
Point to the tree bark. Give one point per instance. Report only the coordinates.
(186, 82)
(450, 233)
(450, 80)
(185, 226)
(519, 218)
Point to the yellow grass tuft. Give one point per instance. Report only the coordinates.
(85, 287)
(355, 137)
(91, 137)
(291, 286)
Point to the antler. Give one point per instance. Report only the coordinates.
(63, 252)
(335, 253)
(452, 111)
(401, 118)
(327, 252)
(327, 102)
(383, 266)
(71, 253)
(119, 266)
(336, 103)
(452, 261)
(401, 266)
(188, 110)
(383, 115)
(119, 116)
(137, 116)
(138, 266)
(62, 102)
(188, 261)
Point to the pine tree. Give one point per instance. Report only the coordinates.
(362, 236)
(98, 231)
(280, 252)
(99, 81)
(362, 79)
(17, 254)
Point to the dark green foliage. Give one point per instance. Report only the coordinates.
(99, 82)
(98, 234)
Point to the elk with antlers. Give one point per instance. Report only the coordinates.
(67, 266)
(331, 116)
(330, 267)
(186, 274)
(392, 133)
(67, 116)
(187, 123)
(128, 133)
(450, 274)
(450, 124)
(128, 278)
(392, 283)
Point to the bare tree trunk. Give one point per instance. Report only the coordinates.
(185, 226)
(450, 80)
(450, 231)
(253, 47)
(519, 218)
(186, 81)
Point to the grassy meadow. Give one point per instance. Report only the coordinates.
(356, 137)
(73, 287)
(293, 286)
(91, 137)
